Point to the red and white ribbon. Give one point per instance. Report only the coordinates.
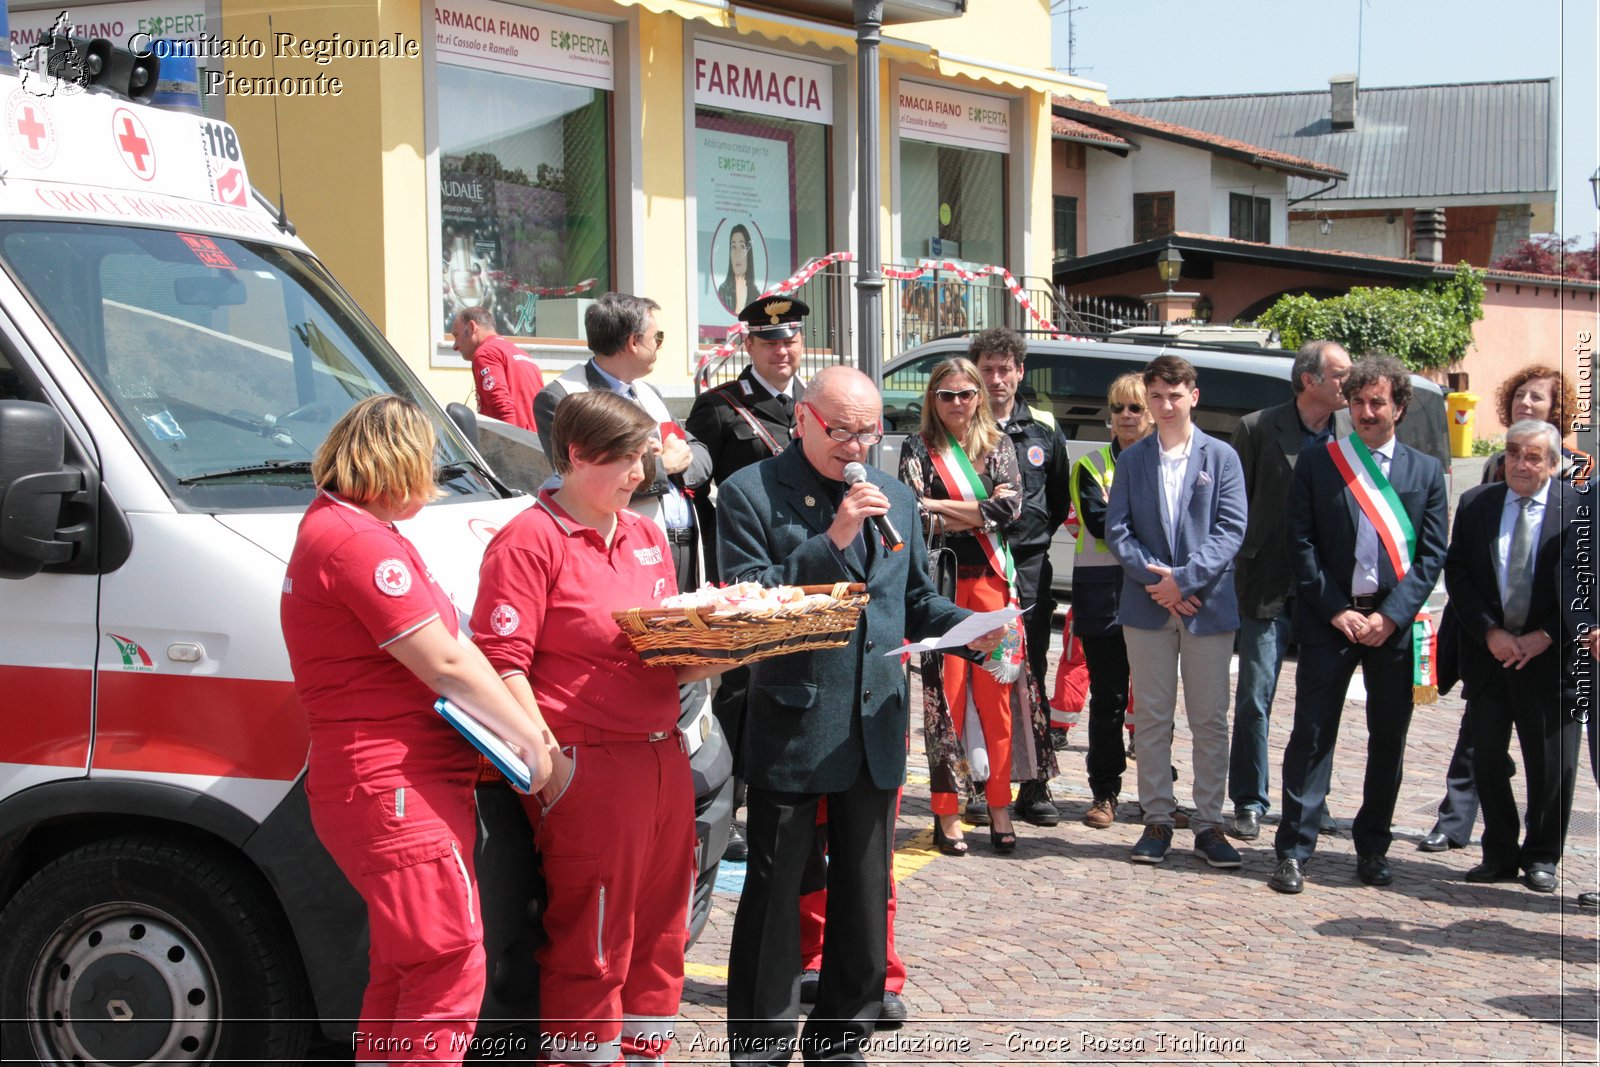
(790, 284)
(737, 331)
(907, 274)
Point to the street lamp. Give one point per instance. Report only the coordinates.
(1169, 264)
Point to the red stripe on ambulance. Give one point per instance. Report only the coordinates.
(188, 724)
(48, 720)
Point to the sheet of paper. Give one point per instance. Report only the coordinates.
(969, 629)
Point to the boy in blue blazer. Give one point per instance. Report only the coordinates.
(1175, 522)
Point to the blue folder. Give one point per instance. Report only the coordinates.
(489, 743)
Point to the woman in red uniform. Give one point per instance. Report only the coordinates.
(372, 638)
(615, 823)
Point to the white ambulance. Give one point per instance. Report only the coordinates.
(170, 358)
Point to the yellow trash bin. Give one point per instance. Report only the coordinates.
(1462, 407)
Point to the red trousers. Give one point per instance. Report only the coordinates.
(993, 700)
(408, 851)
(814, 907)
(618, 852)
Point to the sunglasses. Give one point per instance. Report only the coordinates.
(955, 396)
(661, 335)
(1118, 409)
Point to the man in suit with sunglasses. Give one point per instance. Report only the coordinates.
(1269, 442)
(626, 339)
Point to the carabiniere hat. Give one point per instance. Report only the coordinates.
(776, 318)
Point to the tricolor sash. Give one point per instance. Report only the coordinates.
(1381, 505)
(961, 479)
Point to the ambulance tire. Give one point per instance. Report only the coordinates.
(137, 948)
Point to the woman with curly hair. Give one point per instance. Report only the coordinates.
(1541, 392)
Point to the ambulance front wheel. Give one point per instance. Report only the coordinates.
(142, 949)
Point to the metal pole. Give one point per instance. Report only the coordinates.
(869, 257)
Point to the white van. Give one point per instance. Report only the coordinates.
(170, 358)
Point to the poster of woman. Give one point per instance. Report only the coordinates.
(741, 281)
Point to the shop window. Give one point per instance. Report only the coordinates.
(524, 202)
(762, 206)
(1249, 217)
(952, 203)
(1066, 223)
(1152, 216)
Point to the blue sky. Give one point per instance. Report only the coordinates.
(1172, 48)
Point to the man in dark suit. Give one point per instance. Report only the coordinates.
(825, 723)
(1501, 572)
(1269, 442)
(742, 422)
(1367, 527)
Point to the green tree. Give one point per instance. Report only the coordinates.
(1425, 327)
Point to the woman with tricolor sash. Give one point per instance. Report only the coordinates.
(981, 722)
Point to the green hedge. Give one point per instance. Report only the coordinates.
(1426, 327)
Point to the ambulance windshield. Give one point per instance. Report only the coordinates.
(227, 361)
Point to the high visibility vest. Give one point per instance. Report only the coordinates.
(1102, 468)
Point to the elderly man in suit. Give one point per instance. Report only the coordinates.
(1502, 572)
(1366, 541)
(1269, 442)
(825, 723)
(1175, 521)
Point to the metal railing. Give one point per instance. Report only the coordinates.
(937, 304)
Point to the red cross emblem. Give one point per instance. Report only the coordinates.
(392, 577)
(32, 129)
(133, 143)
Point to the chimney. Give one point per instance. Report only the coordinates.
(1427, 234)
(1343, 89)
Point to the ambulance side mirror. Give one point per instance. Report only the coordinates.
(34, 484)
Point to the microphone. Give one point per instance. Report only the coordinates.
(855, 473)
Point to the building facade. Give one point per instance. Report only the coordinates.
(439, 154)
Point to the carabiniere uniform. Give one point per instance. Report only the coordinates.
(741, 422)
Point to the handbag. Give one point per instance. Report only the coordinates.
(941, 558)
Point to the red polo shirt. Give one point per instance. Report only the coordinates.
(507, 379)
(354, 586)
(545, 596)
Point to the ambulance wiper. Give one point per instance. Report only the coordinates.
(275, 466)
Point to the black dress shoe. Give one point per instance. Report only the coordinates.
(1485, 872)
(1374, 870)
(808, 987)
(1246, 824)
(1288, 878)
(1540, 880)
(738, 849)
(1589, 899)
(892, 1016)
(1034, 805)
(1437, 841)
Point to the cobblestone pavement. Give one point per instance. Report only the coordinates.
(1067, 952)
